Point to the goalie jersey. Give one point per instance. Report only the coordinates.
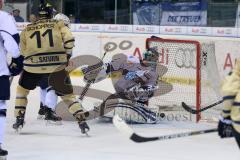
(130, 72)
(9, 39)
(45, 45)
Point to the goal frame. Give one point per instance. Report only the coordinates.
(198, 66)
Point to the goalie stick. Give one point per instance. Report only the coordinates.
(124, 128)
(194, 111)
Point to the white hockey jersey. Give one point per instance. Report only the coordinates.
(8, 41)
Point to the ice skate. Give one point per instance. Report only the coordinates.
(51, 117)
(81, 118)
(3, 154)
(18, 125)
(84, 127)
(41, 113)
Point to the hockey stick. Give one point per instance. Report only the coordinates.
(124, 128)
(194, 111)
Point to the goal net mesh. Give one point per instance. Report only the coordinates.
(193, 74)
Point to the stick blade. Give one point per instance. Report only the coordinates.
(124, 128)
(188, 108)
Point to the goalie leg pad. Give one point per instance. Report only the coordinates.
(131, 112)
(21, 100)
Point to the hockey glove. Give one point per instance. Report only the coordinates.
(225, 128)
(16, 66)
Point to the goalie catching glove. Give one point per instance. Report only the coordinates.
(16, 66)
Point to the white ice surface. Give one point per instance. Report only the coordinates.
(40, 142)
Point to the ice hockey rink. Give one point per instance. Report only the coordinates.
(39, 141)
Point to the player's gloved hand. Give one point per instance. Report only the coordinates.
(225, 128)
(16, 65)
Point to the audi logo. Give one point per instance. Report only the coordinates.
(185, 58)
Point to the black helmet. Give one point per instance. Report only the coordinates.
(45, 10)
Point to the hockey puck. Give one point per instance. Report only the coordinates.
(162, 115)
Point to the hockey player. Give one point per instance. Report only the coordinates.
(137, 84)
(9, 40)
(46, 46)
(229, 123)
(48, 97)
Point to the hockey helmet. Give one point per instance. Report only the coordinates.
(62, 17)
(45, 10)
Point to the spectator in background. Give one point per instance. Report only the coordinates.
(73, 19)
(16, 15)
(32, 18)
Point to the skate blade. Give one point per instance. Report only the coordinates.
(57, 123)
(87, 135)
(3, 157)
(18, 130)
(40, 117)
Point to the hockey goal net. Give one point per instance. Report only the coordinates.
(191, 72)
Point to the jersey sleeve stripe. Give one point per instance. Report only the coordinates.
(71, 40)
(68, 47)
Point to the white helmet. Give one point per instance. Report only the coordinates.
(62, 17)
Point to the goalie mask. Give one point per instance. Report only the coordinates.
(62, 17)
(45, 10)
(150, 57)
